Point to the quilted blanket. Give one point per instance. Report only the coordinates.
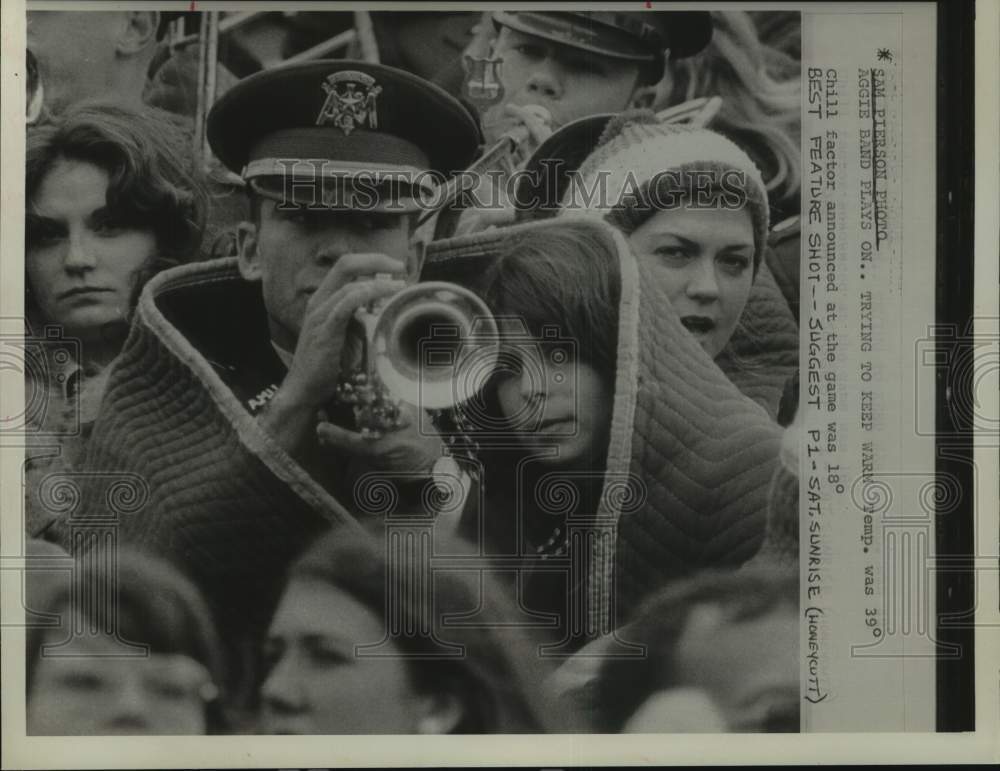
(202, 483)
(691, 456)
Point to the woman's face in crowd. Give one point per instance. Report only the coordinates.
(750, 669)
(560, 405)
(704, 259)
(81, 257)
(92, 689)
(318, 684)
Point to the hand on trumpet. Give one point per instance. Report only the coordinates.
(317, 361)
(537, 122)
(412, 449)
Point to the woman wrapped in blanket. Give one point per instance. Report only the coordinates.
(586, 400)
(626, 458)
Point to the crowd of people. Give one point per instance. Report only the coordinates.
(268, 533)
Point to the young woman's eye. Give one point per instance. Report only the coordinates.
(43, 233)
(329, 657)
(735, 263)
(109, 228)
(672, 252)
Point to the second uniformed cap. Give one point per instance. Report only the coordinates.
(340, 127)
(629, 35)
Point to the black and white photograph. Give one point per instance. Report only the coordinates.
(493, 369)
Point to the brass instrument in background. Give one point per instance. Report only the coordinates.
(433, 345)
(499, 157)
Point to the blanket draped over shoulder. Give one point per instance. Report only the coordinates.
(210, 490)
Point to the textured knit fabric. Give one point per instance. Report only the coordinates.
(783, 257)
(643, 149)
(690, 457)
(763, 352)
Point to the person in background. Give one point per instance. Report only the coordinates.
(318, 679)
(585, 62)
(93, 54)
(148, 662)
(109, 205)
(722, 656)
(558, 67)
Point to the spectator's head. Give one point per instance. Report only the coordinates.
(92, 54)
(557, 289)
(139, 655)
(584, 62)
(110, 202)
(723, 644)
(350, 650)
(697, 219)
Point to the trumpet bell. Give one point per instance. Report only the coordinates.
(435, 344)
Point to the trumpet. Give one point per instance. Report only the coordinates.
(500, 156)
(433, 345)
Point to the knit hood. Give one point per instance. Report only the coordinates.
(637, 153)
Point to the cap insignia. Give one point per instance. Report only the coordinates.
(350, 101)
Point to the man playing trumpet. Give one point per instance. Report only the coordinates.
(323, 225)
(213, 414)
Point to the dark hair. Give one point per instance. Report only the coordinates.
(150, 183)
(624, 684)
(153, 605)
(564, 274)
(494, 680)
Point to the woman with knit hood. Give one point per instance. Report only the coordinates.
(694, 207)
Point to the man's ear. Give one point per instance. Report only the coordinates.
(247, 251)
(440, 713)
(138, 32)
